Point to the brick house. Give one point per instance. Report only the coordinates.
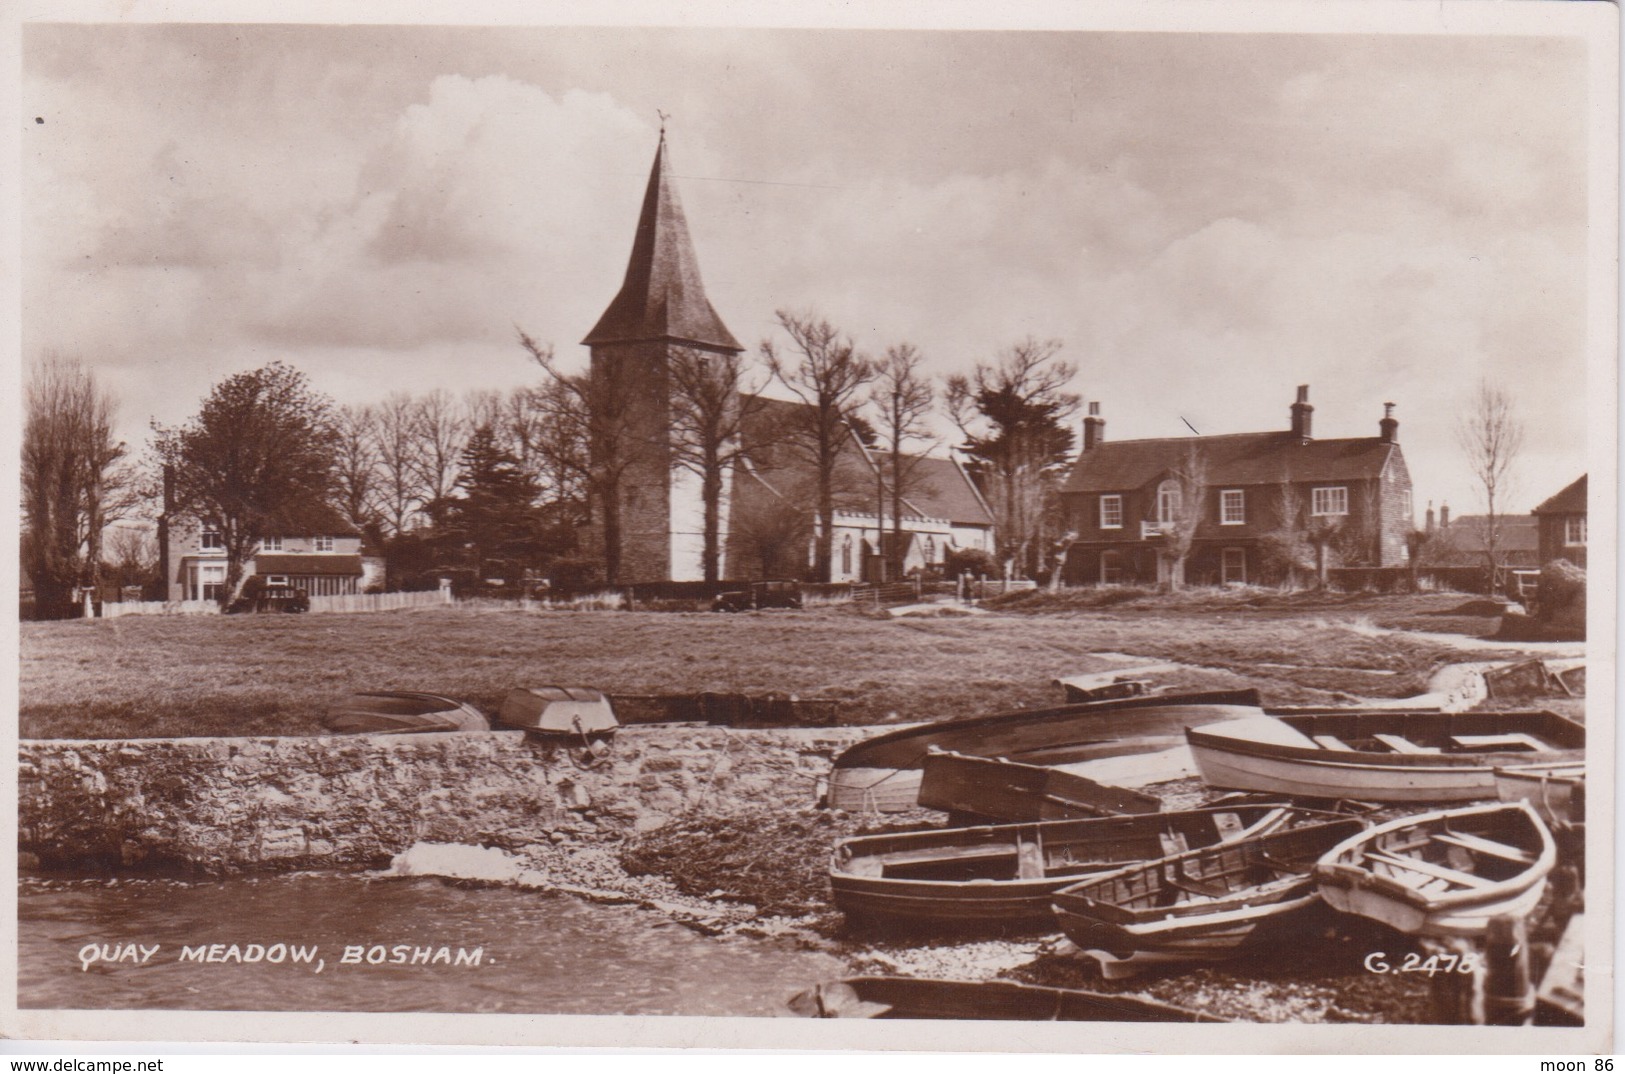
(318, 552)
(1562, 522)
(1267, 500)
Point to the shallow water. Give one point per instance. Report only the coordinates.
(537, 954)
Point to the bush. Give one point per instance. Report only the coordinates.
(1562, 604)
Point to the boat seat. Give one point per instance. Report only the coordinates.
(1515, 741)
(1427, 868)
(1173, 843)
(1029, 861)
(1479, 845)
(1191, 885)
(1331, 742)
(1400, 744)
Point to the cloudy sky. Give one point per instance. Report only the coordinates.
(1205, 220)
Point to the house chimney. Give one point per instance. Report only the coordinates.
(1302, 416)
(1430, 517)
(1094, 428)
(1444, 516)
(1389, 424)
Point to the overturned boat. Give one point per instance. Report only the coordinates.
(915, 997)
(574, 712)
(981, 790)
(402, 712)
(883, 774)
(1202, 906)
(1445, 873)
(1381, 756)
(1002, 876)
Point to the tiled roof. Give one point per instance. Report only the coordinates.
(1237, 459)
(939, 488)
(1467, 534)
(662, 297)
(307, 563)
(1571, 501)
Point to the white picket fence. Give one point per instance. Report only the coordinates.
(379, 602)
(114, 609)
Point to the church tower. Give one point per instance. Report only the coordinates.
(657, 512)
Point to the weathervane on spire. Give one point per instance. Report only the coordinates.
(663, 117)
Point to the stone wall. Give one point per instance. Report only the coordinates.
(220, 805)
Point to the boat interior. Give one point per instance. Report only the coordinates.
(1456, 854)
(1439, 734)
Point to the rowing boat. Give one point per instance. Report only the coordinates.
(1381, 756)
(980, 790)
(1557, 791)
(1203, 905)
(883, 774)
(1445, 873)
(914, 997)
(402, 712)
(1002, 876)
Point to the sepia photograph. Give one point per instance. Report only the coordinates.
(765, 523)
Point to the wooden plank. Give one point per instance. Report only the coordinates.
(1331, 742)
(1480, 845)
(1402, 745)
(1416, 865)
(1515, 741)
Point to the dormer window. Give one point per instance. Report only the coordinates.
(270, 544)
(324, 544)
(213, 541)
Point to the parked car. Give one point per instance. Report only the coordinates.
(759, 595)
(273, 598)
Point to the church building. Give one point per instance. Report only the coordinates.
(654, 528)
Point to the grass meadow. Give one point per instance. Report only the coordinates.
(161, 676)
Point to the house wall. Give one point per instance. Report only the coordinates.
(1398, 513)
(1553, 531)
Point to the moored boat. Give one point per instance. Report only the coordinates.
(401, 712)
(1203, 905)
(998, 790)
(1381, 756)
(915, 997)
(1002, 876)
(883, 774)
(1445, 873)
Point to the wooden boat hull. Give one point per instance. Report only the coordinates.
(1556, 791)
(883, 774)
(998, 790)
(1006, 875)
(1203, 905)
(911, 997)
(565, 711)
(1402, 873)
(1285, 755)
(402, 713)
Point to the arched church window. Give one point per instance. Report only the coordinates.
(846, 555)
(930, 550)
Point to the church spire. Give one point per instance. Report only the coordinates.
(662, 298)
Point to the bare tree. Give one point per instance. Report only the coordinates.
(396, 444)
(355, 464)
(1187, 482)
(826, 378)
(486, 407)
(901, 400)
(73, 485)
(131, 555)
(597, 409)
(1012, 411)
(260, 447)
(712, 407)
(441, 432)
(771, 526)
(1491, 437)
(556, 444)
(1284, 544)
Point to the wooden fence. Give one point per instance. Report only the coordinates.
(114, 609)
(379, 602)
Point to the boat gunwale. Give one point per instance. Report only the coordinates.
(1320, 757)
(858, 755)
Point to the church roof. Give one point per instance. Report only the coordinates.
(940, 488)
(662, 297)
